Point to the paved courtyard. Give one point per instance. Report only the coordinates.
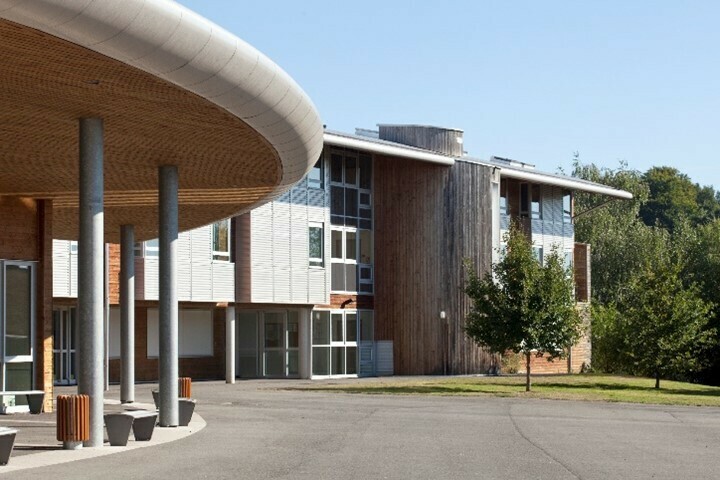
(255, 430)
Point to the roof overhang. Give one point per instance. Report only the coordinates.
(564, 182)
(381, 147)
(172, 88)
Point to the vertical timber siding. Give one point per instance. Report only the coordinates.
(428, 219)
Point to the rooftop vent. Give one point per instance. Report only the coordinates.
(512, 163)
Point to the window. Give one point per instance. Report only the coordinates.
(351, 217)
(524, 199)
(568, 260)
(350, 193)
(334, 342)
(567, 206)
(535, 209)
(315, 242)
(152, 248)
(538, 254)
(343, 256)
(316, 176)
(503, 197)
(530, 201)
(17, 324)
(73, 247)
(221, 241)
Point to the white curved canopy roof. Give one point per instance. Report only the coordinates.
(172, 43)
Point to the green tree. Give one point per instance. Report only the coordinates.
(673, 198)
(522, 306)
(665, 323)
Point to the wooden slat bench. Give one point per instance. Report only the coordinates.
(118, 426)
(35, 398)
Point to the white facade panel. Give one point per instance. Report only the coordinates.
(223, 282)
(195, 332)
(152, 275)
(184, 280)
(281, 271)
(61, 268)
(73, 275)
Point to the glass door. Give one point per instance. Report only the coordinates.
(18, 322)
(280, 344)
(334, 343)
(64, 349)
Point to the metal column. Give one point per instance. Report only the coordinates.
(168, 305)
(230, 345)
(127, 313)
(90, 274)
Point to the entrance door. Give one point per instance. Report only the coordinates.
(64, 348)
(280, 344)
(18, 328)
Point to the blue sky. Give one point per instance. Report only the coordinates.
(637, 81)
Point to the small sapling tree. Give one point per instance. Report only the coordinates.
(523, 306)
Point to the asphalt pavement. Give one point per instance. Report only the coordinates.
(257, 430)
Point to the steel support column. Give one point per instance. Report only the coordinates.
(168, 304)
(127, 313)
(230, 345)
(90, 274)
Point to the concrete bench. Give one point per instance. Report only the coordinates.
(35, 398)
(186, 408)
(119, 424)
(7, 441)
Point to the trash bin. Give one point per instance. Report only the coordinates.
(73, 420)
(184, 387)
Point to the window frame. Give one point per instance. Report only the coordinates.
(220, 255)
(567, 214)
(535, 188)
(317, 262)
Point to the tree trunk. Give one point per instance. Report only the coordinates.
(657, 380)
(527, 372)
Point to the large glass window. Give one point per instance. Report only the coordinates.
(316, 242)
(17, 313)
(221, 240)
(334, 343)
(350, 193)
(351, 218)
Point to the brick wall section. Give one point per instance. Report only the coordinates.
(581, 265)
(114, 273)
(44, 328)
(197, 368)
(19, 223)
(580, 354)
(350, 302)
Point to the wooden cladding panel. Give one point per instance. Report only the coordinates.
(428, 220)
(581, 263)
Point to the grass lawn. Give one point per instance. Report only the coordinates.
(592, 387)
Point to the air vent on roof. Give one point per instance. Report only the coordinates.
(512, 163)
(366, 132)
